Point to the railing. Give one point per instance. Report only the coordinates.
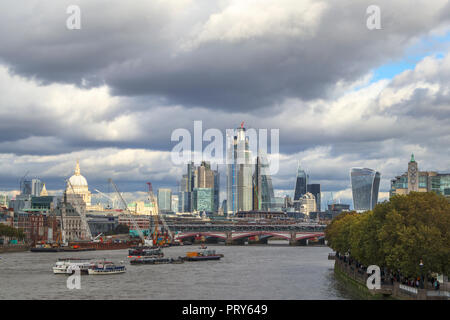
(408, 289)
(240, 227)
(438, 293)
(403, 289)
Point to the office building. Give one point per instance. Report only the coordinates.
(32, 187)
(365, 186)
(300, 185)
(263, 195)
(239, 173)
(307, 204)
(203, 200)
(315, 190)
(164, 200)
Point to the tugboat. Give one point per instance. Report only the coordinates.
(202, 255)
(106, 267)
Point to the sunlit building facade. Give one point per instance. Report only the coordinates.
(420, 181)
(239, 173)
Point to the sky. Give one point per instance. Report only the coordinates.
(111, 93)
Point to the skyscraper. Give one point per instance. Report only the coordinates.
(365, 185)
(201, 177)
(164, 200)
(239, 173)
(315, 190)
(263, 195)
(301, 182)
(31, 187)
(203, 199)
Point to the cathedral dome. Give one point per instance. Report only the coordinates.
(77, 180)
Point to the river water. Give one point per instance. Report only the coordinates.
(245, 272)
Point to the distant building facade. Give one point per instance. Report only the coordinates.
(204, 200)
(307, 204)
(164, 200)
(365, 186)
(263, 195)
(31, 187)
(239, 173)
(420, 181)
(300, 183)
(314, 188)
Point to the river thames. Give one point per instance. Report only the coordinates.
(245, 272)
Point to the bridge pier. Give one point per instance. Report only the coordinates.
(260, 241)
(229, 240)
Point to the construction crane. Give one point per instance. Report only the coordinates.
(136, 226)
(113, 200)
(81, 212)
(152, 199)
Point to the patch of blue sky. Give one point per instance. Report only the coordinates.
(436, 46)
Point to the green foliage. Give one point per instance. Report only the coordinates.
(120, 229)
(7, 231)
(397, 234)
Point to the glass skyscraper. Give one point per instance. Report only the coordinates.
(31, 187)
(365, 185)
(164, 200)
(239, 173)
(204, 199)
(300, 185)
(263, 195)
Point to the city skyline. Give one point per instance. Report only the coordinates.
(323, 201)
(339, 102)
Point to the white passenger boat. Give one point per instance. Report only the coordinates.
(68, 266)
(106, 268)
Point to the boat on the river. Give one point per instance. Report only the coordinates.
(106, 267)
(58, 248)
(147, 260)
(69, 265)
(202, 255)
(146, 252)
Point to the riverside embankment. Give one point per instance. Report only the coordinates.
(354, 279)
(14, 248)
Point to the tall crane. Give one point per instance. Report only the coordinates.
(113, 200)
(152, 199)
(81, 212)
(136, 226)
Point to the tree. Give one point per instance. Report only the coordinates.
(397, 234)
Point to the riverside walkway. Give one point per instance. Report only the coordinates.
(392, 288)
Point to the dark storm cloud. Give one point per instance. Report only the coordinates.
(137, 49)
(141, 70)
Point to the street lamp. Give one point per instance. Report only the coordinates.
(421, 274)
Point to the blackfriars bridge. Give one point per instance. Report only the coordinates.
(296, 234)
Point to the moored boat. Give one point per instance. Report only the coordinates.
(146, 260)
(202, 255)
(146, 251)
(106, 268)
(69, 265)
